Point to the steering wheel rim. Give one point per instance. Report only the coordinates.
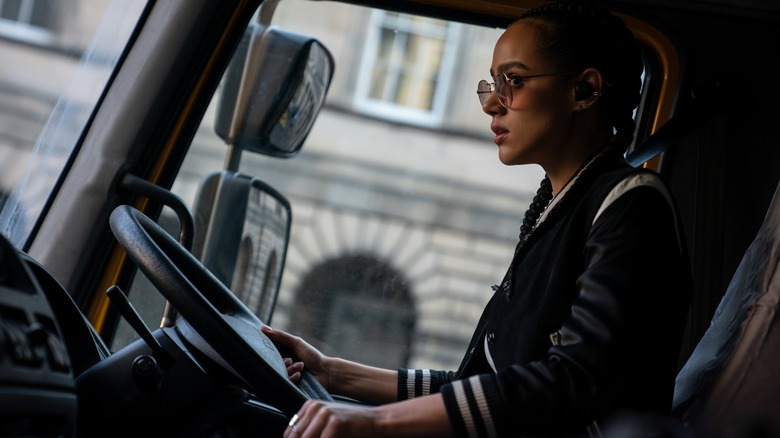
(216, 315)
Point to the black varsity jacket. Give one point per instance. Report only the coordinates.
(588, 322)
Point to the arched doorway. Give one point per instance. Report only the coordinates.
(356, 307)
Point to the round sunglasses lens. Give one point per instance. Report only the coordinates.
(503, 91)
(483, 91)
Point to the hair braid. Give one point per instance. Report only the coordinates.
(538, 204)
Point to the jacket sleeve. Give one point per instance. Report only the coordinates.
(618, 348)
(417, 383)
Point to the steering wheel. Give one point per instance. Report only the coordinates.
(211, 318)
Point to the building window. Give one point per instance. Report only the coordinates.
(407, 64)
(27, 19)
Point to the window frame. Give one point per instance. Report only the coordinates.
(25, 30)
(397, 112)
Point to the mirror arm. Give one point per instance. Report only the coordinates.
(267, 9)
(232, 158)
(186, 221)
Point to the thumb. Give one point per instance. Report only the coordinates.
(277, 335)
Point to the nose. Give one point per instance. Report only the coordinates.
(492, 105)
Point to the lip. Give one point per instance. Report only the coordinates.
(500, 133)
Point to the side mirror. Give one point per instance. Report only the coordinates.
(272, 91)
(246, 228)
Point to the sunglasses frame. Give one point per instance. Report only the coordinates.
(501, 84)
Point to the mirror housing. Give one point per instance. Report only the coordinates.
(272, 91)
(245, 228)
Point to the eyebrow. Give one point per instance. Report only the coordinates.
(509, 65)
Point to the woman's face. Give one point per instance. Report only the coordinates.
(536, 126)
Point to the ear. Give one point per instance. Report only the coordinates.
(587, 89)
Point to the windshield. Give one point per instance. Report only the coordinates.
(63, 54)
(399, 201)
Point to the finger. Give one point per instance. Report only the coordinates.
(284, 339)
(317, 419)
(294, 372)
(290, 363)
(291, 430)
(296, 426)
(275, 334)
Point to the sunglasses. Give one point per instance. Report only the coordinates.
(504, 86)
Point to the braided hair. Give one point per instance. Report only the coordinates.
(538, 204)
(575, 36)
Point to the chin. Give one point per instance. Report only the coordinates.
(510, 160)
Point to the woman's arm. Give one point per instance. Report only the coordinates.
(339, 376)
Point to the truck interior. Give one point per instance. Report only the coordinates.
(175, 191)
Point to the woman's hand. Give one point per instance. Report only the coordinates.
(338, 376)
(422, 417)
(315, 362)
(318, 418)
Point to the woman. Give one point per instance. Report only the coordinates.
(587, 322)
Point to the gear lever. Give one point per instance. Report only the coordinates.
(123, 306)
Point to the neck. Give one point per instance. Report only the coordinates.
(561, 175)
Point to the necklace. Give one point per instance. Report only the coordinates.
(570, 182)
